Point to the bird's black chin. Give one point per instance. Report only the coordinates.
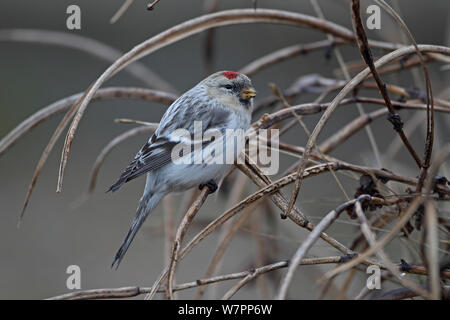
(245, 103)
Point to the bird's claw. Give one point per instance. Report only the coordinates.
(211, 184)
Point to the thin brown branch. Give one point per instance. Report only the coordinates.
(347, 77)
(371, 240)
(287, 53)
(91, 46)
(179, 236)
(110, 146)
(152, 5)
(433, 244)
(430, 100)
(132, 121)
(262, 181)
(337, 100)
(366, 54)
(123, 8)
(128, 292)
(350, 129)
(228, 230)
(210, 6)
(28, 124)
(311, 239)
(64, 104)
(408, 213)
(180, 32)
(404, 293)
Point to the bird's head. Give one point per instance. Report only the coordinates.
(231, 88)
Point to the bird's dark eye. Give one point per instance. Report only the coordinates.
(228, 86)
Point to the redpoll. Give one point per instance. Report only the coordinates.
(221, 102)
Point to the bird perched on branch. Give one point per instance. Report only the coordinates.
(221, 102)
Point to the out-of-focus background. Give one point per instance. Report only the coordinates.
(57, 231)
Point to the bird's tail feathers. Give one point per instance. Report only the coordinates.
(148, 202)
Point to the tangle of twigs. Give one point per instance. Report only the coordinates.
(383, 206)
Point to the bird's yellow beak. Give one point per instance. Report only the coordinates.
(248, 93)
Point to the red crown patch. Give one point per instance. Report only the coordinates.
(230, 74)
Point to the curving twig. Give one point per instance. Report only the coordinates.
(64, 104)
(91, 46)
(411, 209)
(180, 32)
(111, 145)
(61, 105)
(261, 180)
(179, 236)
(272, 190)
(124, 7)
(210, 6)
(371, 240)
(286, 53)
(366, 54)
(128, 292)
(430, 99)
(346, 90)
(152, 5)
(311, 239)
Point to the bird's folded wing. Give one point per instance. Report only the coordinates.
(206, 115)
(155, 154)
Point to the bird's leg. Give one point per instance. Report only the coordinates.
(211, 184)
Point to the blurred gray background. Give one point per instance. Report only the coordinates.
(56, 233)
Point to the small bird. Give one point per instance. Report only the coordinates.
(222, 102)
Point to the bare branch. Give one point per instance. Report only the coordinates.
(111, 145)
(124, 7)
(64, 104)
(90, 46)
(43, 114)
(152, 5)
(128, 292)
(180, 32)
(311, 239)
(179, 236)
(347, 89)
